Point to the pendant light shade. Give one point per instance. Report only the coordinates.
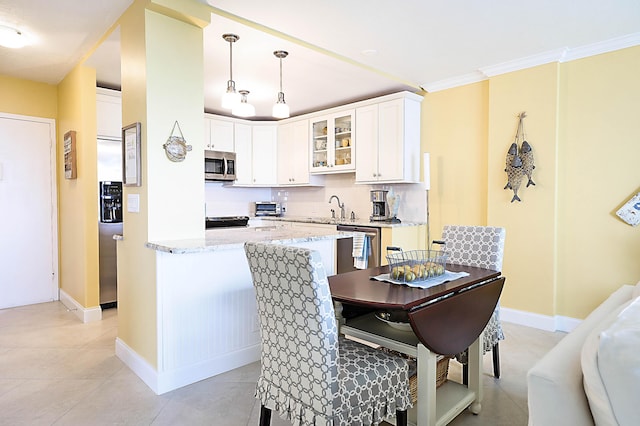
(230, 98)
(280, 108)
(244, 108)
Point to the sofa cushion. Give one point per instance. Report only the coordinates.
(594, 388)
(619, 364)
(554, 385)
(636, 291)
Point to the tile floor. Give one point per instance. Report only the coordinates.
(54, 370)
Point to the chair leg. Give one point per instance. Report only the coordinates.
(265, 416)
(401, 417)
(465, 374)
(496, 361)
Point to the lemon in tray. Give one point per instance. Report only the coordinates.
(397, 272)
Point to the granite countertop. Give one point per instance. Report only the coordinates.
(234, 238)
(330, 221)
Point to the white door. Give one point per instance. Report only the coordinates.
(28, 217)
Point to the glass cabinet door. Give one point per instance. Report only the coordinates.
(320, 143)
(332, 143)
(343, 142)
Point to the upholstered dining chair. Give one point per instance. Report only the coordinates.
(309, 374)
(483, 247)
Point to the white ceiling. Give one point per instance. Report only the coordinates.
(428, 44)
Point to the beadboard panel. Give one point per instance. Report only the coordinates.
(207, 315)
(206, 307)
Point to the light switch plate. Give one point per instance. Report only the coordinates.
(133, 203)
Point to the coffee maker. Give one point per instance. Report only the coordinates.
(379, 205)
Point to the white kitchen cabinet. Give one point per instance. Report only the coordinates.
(244, 158)
(265, 150)
(256, 154)
(219, 134)
(293, 154)
(332, 143)
(389, 147)
(108, 114)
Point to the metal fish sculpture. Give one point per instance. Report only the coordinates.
(514, 176)
(511, 155)
(526, 154)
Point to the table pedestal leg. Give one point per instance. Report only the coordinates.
(426, 386)
(475, 373)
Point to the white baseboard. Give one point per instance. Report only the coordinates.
(84, 314)
(162, 382)
(542, 322)
(137, 364)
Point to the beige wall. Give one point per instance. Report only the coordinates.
(78, 205)
(529, 262)
(565, 250)
(162, 82)
(598, 171)
(25, 97)
(454, 132)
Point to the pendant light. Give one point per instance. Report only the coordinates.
(230, 98)
(244, 108)
(280, 108)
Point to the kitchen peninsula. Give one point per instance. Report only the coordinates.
(206, 310)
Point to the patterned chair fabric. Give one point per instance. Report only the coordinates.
(483, 247)
(309, 374)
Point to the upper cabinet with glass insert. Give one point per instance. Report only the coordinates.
(332, 143)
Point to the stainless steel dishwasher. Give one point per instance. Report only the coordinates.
(345, 247)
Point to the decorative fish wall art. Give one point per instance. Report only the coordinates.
(519, 161)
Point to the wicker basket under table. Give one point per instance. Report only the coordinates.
(442, 370)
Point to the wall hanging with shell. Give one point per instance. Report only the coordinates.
(519, 161)
(176, 147)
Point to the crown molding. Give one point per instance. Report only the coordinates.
(561, 55)
(556, 55)
(606, 46)
(450, 83)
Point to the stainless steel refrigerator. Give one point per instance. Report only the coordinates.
(110, 220)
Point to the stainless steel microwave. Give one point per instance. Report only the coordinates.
(219, 166)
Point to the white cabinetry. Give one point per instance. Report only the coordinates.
(389, 135)
(244, 173)
(219, 134)
(256, 154)
(293, 154)
(332, 143)
(109, 114)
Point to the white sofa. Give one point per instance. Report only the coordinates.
(592, 376)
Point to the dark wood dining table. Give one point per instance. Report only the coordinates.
(445, 319)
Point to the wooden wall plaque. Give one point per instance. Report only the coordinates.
(70, 155)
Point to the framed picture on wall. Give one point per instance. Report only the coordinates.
(70, 170)
(131, 155)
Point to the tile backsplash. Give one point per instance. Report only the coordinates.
(314, 201)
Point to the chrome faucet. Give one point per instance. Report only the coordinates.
(342, 212)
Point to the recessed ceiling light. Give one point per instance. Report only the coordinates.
(369, 52)
(11, 37)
